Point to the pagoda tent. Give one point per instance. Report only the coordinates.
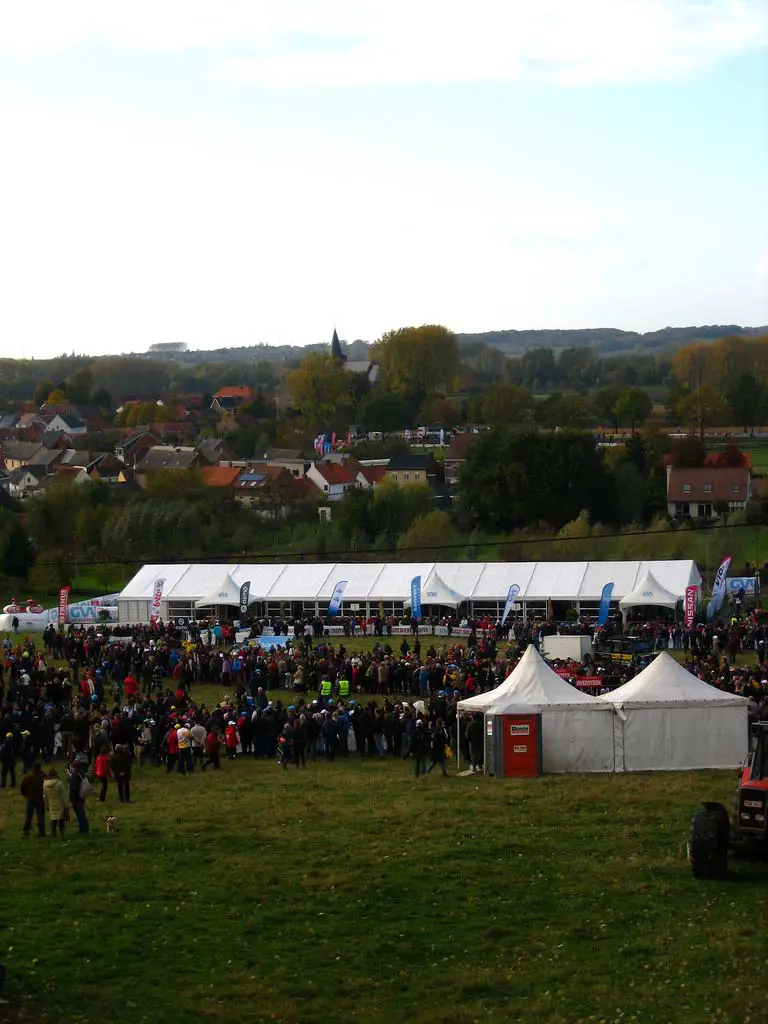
(577, 735)
(435, 591)
(227, 594)
(648, 593)
(667, 719)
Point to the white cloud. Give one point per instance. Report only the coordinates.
(343, 42)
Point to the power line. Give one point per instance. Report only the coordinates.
(328, 556)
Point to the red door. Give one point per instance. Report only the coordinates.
(521, 745)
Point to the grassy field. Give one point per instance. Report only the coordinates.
(352, 892)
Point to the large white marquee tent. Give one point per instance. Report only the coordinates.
(576, 733)
(306, 587)
(667, 719)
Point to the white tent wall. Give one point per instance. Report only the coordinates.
(680, 738)
(577, 734)
(667, 719)
(371, 585)
(577, 740)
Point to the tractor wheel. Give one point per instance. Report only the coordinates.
(708, 845)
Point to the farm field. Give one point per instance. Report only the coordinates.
(352, 892)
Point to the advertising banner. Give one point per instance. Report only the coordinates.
(605, 604)
(512, 593)
(749, 584)
(416, 597)
(336, 598)
(690, 606)
(63, 603)
(157, 596)
(245, 592)
(718, 589)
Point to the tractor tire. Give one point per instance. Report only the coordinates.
(708, 845)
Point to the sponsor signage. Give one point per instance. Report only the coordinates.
(690, 606)
(63, 603)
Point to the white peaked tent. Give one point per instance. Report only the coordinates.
(577, 735)
(649, 592)
(226, 594)
(434, 590)
(669, 720)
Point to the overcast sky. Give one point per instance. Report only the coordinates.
(230, 172)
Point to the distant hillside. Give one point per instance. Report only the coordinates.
(604, 340)
(607, 340)
(255, 353)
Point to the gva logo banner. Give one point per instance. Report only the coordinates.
(431, 593)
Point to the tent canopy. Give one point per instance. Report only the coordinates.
(666, 682)
(532, 684)
(434, 590)
(649, 592)
(227, 593)
(391, 581)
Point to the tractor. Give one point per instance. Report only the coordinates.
(745, 831)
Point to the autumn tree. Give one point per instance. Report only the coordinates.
(42, 390)
(746, 400)
(506, 403)
(633, 406)
(700, 408)
(415, 361)
(321, 391)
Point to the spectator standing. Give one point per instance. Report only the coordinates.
(121, 769)
(103, 771)
(32, 790)
(79, 788)
(55, 799)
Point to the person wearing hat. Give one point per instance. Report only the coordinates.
(231, 739)
(8, 760)
(185, 748)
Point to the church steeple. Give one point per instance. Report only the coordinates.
(336, 348)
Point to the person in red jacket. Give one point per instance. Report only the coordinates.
(231, 739)
(171, 742)
(103, 771)
(212, 747)
(131, 686)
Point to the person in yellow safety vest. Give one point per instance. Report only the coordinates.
(325, 688)
(343, 687)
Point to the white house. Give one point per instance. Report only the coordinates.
(65, 423)
(24, 481)
(333, 479)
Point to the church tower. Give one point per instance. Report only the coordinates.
(336, 348)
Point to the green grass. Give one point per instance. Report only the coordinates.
(351, 892)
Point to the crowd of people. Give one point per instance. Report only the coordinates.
(81, 709)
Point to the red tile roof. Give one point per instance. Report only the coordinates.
(334, 473)
(374, 474)
(244, 393)
(460, 443)
(708, 484)
(220, 476)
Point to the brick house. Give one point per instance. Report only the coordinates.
(456, 456)
(412, 468)
(693, 493)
